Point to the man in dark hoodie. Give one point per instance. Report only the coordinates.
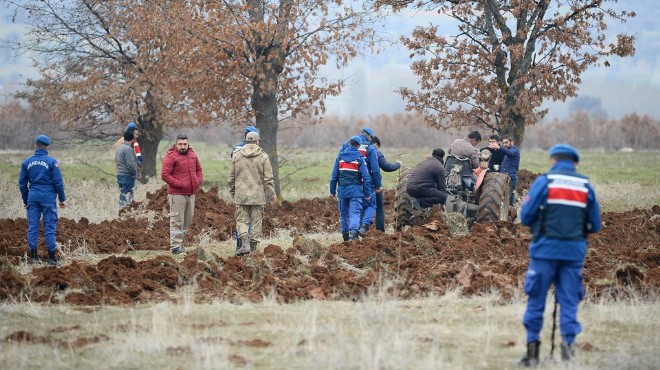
(183, 174)
(351, 175)
(426, 184)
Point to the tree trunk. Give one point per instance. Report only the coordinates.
(264, 104)
(150, 135)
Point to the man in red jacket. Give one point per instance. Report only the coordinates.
(183, 175)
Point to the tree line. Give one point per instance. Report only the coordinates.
(19, 124)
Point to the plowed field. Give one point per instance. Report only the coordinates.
(420, 261)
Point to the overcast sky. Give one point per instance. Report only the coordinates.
(629, 85)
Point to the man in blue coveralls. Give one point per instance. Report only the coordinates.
(41, 183)
(370, 155)
(561, 209)
(350, 174)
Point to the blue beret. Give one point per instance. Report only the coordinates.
(131, 126)
(369, 131)
(564, 149)
(251, 129)
(356, 138)
(43, 139)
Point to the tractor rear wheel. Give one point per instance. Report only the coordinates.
(494, 198)
(404, 212)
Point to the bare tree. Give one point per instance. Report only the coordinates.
(254, 61)
(93, 77)
(506, 58)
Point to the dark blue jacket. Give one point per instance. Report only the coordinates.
(350, 174)
(511, 161)
(369, 153)
(40, 179)
(560, 208)
(385, 165)
(237, 148)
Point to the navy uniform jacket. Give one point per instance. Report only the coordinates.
(371, 158)
(561, 208)
(350, 174)
(41, 179)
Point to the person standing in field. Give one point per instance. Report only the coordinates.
(496, 153)
(183, 174)
(371, 158)
(248, 129)
(250, 178)
(350, 174)
(560, 209)
(127, 170)
(510, 164)
(387, 167)
(41, 184)
(135, 145)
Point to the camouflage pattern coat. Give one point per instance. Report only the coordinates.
(250, 176)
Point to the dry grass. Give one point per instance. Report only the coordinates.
(441, 332)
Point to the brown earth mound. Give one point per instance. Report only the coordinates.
(623, 258)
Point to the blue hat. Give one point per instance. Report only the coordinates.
(369, 131)
(251, 129)
(43, 140)
(564, 149)
(131, 126)
(356, 138)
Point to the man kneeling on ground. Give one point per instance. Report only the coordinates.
(426, 184)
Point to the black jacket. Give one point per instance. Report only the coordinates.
(428, 174)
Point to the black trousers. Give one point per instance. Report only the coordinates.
(427, 197)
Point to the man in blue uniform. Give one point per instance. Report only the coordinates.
(561, 209)
(41, 183)
(350, 174)
(370, 155)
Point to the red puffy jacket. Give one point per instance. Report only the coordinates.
(181, 172)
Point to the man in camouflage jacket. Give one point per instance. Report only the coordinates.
(250, 177)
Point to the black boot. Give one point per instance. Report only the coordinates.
(352, 235)
(345, 236)
(532, 357)
(34, 259)
(363, 230)
(567, 351)
(52, 260)
(253, 246)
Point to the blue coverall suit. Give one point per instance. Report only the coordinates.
(560, 208)
(370, 155)
(350, 174)
(40, 183)
(380, 211)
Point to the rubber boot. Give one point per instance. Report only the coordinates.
(253, 246)
(352, 235)
(532, 357)
(345, 236)
(567, 351)
(34, 259)
(52, 260)
(245, 246)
